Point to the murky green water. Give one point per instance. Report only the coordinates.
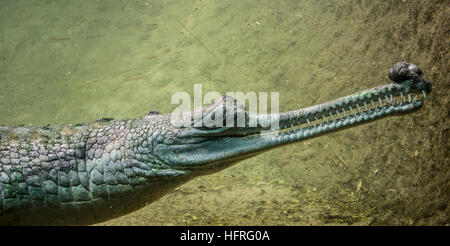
(78, 61)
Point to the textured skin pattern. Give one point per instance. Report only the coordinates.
(69, 175)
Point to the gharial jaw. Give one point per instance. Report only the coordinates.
(207, 150)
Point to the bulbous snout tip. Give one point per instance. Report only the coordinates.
(402, 71)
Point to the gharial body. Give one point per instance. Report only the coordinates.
(88, 173)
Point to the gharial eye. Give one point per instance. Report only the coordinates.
(153, 112)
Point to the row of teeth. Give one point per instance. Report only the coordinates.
(342, 114)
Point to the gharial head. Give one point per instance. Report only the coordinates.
(205, 148)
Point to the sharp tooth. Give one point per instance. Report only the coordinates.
(415, 98)
(331, 116)
(424, 94)
(409, 97)
(315, 123)
(345, 113)
(351, 109)
(307, 120)
(359, 109)
(379, 100)
(388, 101)
(323, 116)
(365, 105)
(373, 103)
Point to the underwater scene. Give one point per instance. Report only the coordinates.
(87, 89)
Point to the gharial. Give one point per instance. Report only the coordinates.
(80, 174)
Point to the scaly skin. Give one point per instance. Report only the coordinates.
(82, 174)
(89, 173)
